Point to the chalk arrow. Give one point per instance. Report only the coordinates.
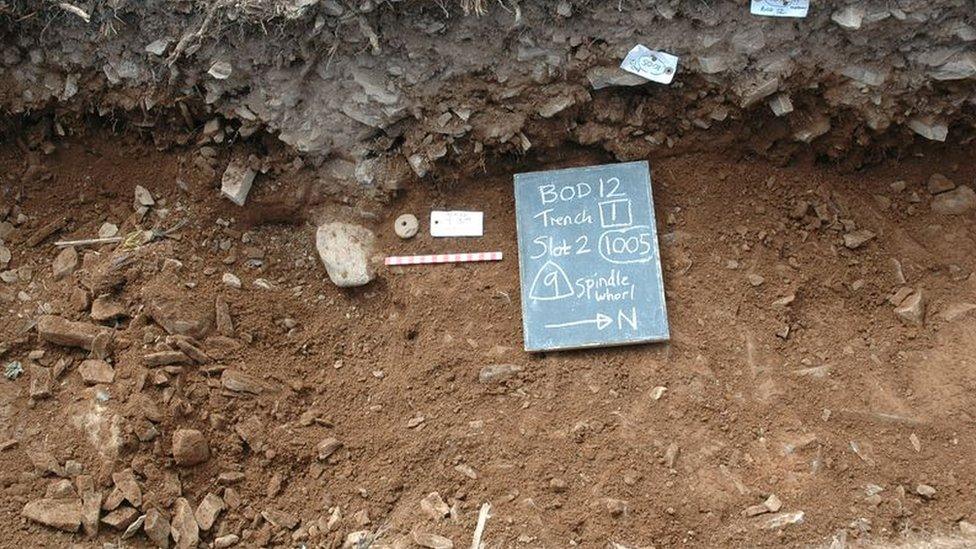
(601, 321)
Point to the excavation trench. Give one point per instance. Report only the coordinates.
(816, 389)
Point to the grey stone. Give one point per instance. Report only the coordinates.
(431, 541)
(104, 308)
(63, 514)
(326, 448)
(849, 18)
(781, 104)
(143, 198)
(158, 47)
(926, 491)
(345, 251)
(208, 510)
(939, 183)
(856, 239)
(929, 128)
(236, 182)
(184, 528)
(958, 201)
(157, 528)
(121, 518)
(776, 522)
(95, 371)
(239, 382)
(494, 373)
(911, 311)
(606, 77)
(60, 331)
(65, 263)
(433, 505)
(190, 447)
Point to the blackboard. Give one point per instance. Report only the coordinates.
(589, 262)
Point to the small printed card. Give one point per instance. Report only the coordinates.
(653, 65)
(457, 223)
(780, 8)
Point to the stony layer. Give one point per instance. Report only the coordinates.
(379, 92)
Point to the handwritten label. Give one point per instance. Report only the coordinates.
(653, 65)
(780, 8)
(588, 258)
(457, 223)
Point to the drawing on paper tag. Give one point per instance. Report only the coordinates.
(652, 65)
(457, 223)
(588, 258)
(780, 8)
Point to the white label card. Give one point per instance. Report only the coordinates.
(780, 8)
(653, 65)
(457, 223)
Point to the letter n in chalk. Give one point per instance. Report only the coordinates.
(615, 213)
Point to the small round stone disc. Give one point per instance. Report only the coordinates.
(406, 226)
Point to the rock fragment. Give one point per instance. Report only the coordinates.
(157, 528)
(91, 504)
(236, 182)
(231, 281)
(326, 448)
(434, 506)
(105, 308)
(142, 198)
(781, 104)
(606, 77)
(166, 358)
(60, 331)
(776, 522)
(911, 311)
(41, 234)
(65, 263)
(125, 482)
(925, 491)
(207, 511)
(184, 528)
(108, 230)
(95, 371)
(939, 183)
(223, 542)
(856, 239)
(955, 311)
(958, 201)
(121, 518)
(225, 324)
(239, 382)
(40, 382)
(190, 447)
(345, 251)
(63, 514)
(929, 128)
(495, 373)
(280, 519)
(431, 541)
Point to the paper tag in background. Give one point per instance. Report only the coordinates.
(652, 65)
(457, 223)
(780, 8)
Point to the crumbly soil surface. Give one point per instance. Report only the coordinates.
(813, 401)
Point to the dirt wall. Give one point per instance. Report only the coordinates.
(378, 93)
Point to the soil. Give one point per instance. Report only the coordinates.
(812, 401)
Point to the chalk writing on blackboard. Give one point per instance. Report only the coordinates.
(588, 257)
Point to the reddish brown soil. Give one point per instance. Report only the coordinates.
(366, 362)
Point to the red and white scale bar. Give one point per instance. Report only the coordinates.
(442, 258)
